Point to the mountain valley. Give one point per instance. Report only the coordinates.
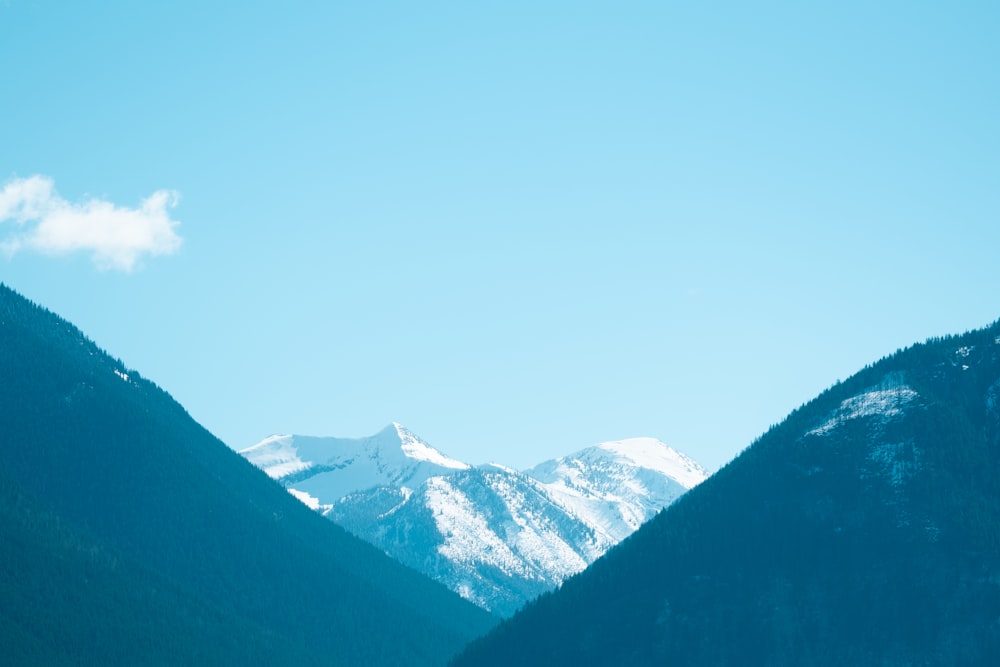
(863, 529)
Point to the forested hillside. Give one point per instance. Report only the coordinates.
(864, 529)
(133, 535)
(69, 599)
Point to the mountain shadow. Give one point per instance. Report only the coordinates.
(132, 535)
(862, 530)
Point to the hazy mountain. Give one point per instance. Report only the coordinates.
(864, 529)
(497, 536)
(133, 536)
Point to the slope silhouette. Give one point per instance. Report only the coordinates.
(106, 474)
(863, 530)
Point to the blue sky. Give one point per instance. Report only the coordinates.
(516, 228)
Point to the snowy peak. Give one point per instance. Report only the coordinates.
(652, 454)
(614, 487)
(415, 448)
(330, 468)
(645, 453)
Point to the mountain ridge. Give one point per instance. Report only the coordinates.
(493, 534)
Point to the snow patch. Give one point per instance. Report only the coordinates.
(310, 501)
(123, 376)
(467, 536)
(465, 591)
(885, 402)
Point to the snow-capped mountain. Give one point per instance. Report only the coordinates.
(497, 536)
(614, 487)
(319, 471)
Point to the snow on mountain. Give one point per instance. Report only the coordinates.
(496, 536)
(614, 487)
(328, 468)
(885, 402)
(489, 533)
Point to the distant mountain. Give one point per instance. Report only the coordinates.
(615, 487)
(329, 468)
(496, 536)
(863, 530)
(133, 536)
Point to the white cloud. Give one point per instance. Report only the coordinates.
(117, 237)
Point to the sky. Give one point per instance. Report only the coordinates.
(517, 228)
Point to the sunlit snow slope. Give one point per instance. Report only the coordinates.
(497, 536)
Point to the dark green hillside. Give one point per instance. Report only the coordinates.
(863, 530)
(68, 599)
(125, 483)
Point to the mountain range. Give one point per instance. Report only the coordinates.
(497, 536)
(131, 535)
(864, 530)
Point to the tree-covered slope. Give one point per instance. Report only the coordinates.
(69, 599)
(864, 529)
(110, 461)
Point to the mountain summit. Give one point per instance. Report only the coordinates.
(330, 468)
(497, 536)
(617, 486)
